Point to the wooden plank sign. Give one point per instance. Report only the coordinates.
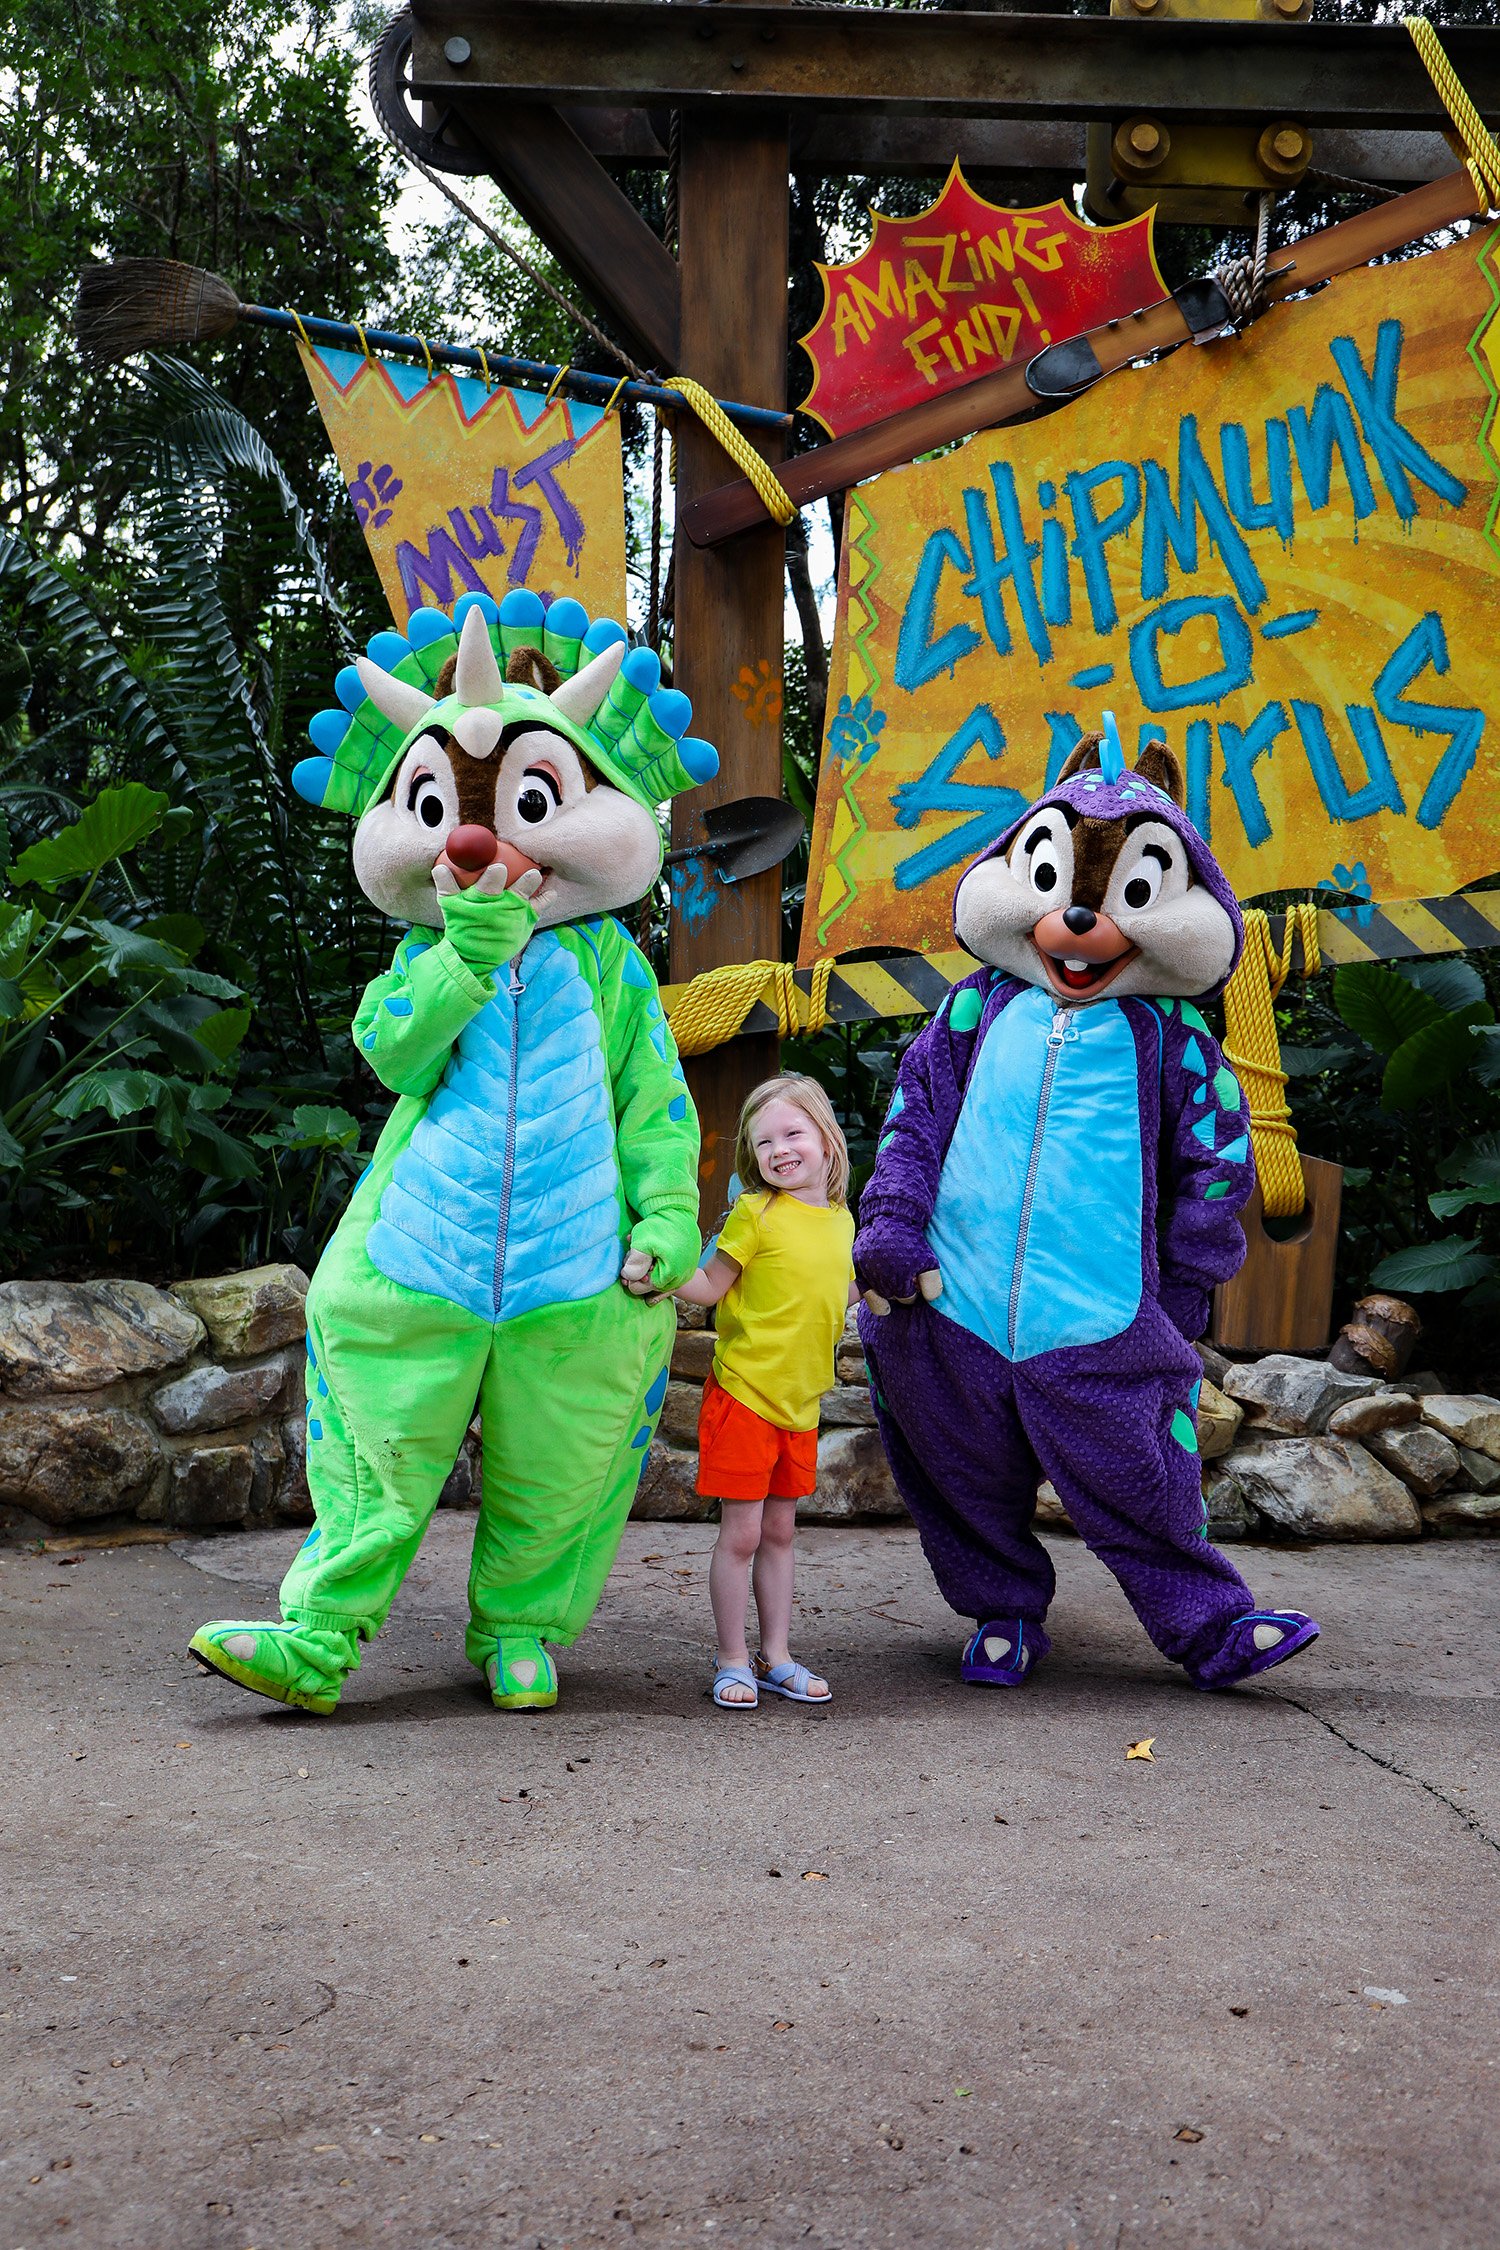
(459, 486)
(959, 290)
(1278, 551)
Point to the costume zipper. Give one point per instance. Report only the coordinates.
(1062, 1030)
(508, 1170)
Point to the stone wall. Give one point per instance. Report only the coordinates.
(184, 1407)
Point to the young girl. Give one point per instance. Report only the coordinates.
(782, 1276)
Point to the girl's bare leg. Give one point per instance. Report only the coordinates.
(774, 1572)
(729, 1582)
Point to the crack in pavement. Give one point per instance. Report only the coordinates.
(1388, 1765)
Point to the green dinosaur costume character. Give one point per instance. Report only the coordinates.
(537, 1178)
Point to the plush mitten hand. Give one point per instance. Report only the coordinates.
(673, 1245)
(487, 925)
(1187, 1309)
(894, 1263)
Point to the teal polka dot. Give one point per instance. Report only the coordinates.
(1215, 1190)
(1227, 1087)
(677, 1108)
(967, 1008)
(1185, 1432)
(642, 1438)
(657, 1392)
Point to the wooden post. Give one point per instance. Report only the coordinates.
(729, 633)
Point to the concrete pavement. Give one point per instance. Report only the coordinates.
(932, 1967)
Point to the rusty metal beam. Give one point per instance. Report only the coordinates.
(916, 62)
(1005, 146)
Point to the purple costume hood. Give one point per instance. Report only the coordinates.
(1090, 795)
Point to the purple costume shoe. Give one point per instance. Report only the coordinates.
(1255, 1642)
(1003, 1653)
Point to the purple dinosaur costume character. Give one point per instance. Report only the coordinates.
(1054, 1196)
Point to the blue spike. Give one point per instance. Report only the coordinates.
(1204, 1131)
(568, 620)
(488, 610)
(387, 650)
(1111, 750)
(1236, 1152)
(326, 730)
(311, 776)
(642, 670)
(657, 1392)
(426, 625)
(700, 758)
(671, 710)
(349, 688)
(602, 634)
(521, 608)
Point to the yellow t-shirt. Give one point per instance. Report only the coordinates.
(780, 1322)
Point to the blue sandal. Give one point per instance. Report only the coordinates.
(735, 1675)
(791, 1680)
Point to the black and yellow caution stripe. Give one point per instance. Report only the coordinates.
(915, 984)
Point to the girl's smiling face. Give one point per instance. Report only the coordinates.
(790, 1152)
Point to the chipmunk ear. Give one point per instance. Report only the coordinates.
(528, 667)
(1084, 757)
(1158, 765)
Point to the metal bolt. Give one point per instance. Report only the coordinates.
(1288, 144)
(457, 52)
(1145, 7)
(1145, 139)
(736, 62)
(1290, 7)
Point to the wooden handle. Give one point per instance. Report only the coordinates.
(1007, 397)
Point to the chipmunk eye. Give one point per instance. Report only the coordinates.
(425, 799)
(1143, 885)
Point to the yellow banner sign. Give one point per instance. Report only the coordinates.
(1278, 552)
(459, 487)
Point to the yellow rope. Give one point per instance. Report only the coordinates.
(774, 497)
(1481, 156)
(714, 1006)
(1254, 1052)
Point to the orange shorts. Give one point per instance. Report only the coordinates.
(742, 1456)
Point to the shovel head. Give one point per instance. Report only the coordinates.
(745, 838)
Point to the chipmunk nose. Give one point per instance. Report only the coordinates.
(1079, 919)
(472, 848)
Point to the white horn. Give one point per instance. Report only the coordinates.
(476, 676)
(407, 706)
(579, 698)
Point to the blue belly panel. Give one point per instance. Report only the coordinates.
(1076, 1276)
(447, 1225)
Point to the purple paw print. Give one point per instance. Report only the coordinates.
(374, 495)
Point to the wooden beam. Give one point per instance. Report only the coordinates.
(1052, 155)
(728, 635)
(911, 62)
(1009, 396)
(595, 233)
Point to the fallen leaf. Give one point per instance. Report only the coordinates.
(661, 1964)
(962, 2092)
(325, 2148)
(1000, 1817)
(1187, 2133)
(773, 1870)
(781, 2025)
(438, 2136)
(498, 1921)
(1141, 1749)
(302, 1773)
(1239, 2011)
(812, 1876)
(78, 1753)
(182, 1746)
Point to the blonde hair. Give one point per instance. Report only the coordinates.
(808, 1096)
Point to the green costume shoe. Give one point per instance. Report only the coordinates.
(297, 1664)
(522, 1675)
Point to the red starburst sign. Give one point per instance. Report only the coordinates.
(962, 289)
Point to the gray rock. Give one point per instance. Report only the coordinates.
(692, 1354)
(249, 1312)
(1215, 1365)
(1382, 1410)
(855, 1484)
(268, 1455)
(1463, 1515)
(668, 1488)
(679, 1414)
(847, 1407)
(293, 1500)
(1293, 1397)
(1472, 1420)
(1320, 1488)
(211, 1484)
(80, 1335)
(1230, 1515)
(1426, 1383)
(1477, 1471)
(849, 1361)
(1422, 1458)
(63, 1463)
(1219, 1418)
(214, 1398)
(1050, 1515)
(464, 1482)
